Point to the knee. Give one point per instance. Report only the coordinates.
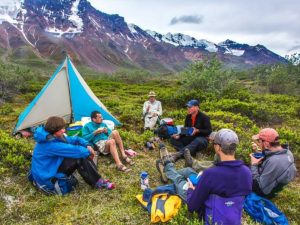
(115, 133)
(111, 142)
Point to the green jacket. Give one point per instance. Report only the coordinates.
(88, 132)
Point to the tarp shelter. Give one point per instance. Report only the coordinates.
(67, 95)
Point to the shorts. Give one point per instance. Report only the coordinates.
(101, 147)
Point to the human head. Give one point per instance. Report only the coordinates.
(227, 140)
(266, 138)
(193, 106)
(151, 96)
(55, 124)
(96, 117)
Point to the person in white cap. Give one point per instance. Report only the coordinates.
(152, 109)
(274, 167)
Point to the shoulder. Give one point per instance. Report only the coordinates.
(203, 115)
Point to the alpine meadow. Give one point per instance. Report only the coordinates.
(243, 101)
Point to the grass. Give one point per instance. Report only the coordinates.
(20, 203)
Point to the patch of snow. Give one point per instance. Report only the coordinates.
(132, 29)
(9, 10)
(75, 19)
(236, 52)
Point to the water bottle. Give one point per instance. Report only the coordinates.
(144, 180)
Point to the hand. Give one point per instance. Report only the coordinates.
(154, 114)
(148, 108)
(190, 185)
(255, 147)
(175, 136)
(92, 152)
(195, 131)
(255, 161)
(105, 130)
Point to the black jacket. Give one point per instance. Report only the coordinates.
(202, 123)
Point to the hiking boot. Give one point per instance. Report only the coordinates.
(176, 156)
(188, 158)
(164, 154)
(160, 167)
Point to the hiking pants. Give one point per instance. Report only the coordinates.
(179, 178)
(85, 167)
(194, 144)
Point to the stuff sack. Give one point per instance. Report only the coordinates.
(225, 211)
(263, 210)
(162, 203)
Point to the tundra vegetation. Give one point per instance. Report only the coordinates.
(243, 101)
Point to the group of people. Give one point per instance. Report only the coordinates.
(227, 180)
(56, 157)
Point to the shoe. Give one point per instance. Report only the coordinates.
(160, 167)
(176, 156)
(105, 184)
(188, 158)
(164, 154)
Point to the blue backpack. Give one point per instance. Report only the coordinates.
(263, 210)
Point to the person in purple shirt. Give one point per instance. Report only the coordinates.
(216, 194)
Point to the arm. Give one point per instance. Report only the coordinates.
(145, 109)
(68, 150)
(265, 180)
(206, 129)
(77, 141)
(159, 112)
(87, 133)
(196, 198)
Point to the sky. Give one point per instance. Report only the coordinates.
(272, 23)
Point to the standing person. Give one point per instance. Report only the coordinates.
(188, 145)
(277, 166)
(97, 133)
(218, 192)
(151, 111)
(56, 157)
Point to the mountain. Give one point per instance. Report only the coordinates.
(45, 28)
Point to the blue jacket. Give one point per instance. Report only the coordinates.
(49, 153)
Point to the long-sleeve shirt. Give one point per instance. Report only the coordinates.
(226, 179)
(277, 169)
(89, 129)
(202, 123)
(155, 107)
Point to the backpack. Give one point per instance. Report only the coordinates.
(162, 203)
(225, 211)
(263, 210)
(62, 184)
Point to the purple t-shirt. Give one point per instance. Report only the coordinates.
(226, 179)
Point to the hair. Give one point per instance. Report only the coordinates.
(229, 150)
(275, 143)
(54, 124)
(94, 114)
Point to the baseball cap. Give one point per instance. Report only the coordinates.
(266, 134)
(192, 102)
(225, 138)
(151, 94)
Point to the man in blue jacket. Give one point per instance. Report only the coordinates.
(218, 189)
(56, 157)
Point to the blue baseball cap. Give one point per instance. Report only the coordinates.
(192, 102)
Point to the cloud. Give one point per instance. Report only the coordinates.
(187, 19)
(296, 47)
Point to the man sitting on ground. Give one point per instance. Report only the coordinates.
(223, 186)
(56, 157)
(190, 144)
(97, 133)
(276, 168)
(151, 111)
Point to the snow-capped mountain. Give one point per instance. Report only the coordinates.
(106, 42)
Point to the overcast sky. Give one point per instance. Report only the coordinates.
(272, 23)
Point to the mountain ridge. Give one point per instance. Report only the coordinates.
(106, 42)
